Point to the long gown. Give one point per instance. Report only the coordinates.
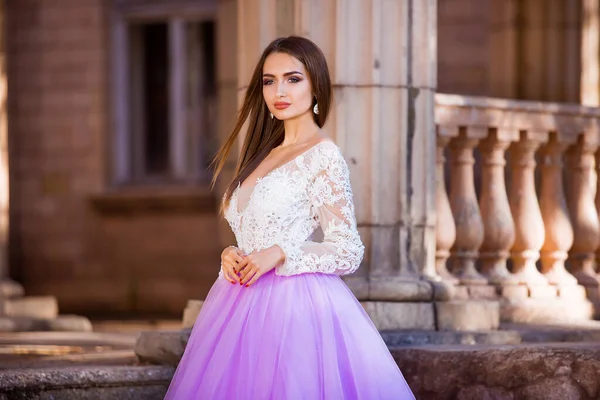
(298, 332)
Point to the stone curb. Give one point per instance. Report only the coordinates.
(83, 377)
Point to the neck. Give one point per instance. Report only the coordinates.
(299, 129)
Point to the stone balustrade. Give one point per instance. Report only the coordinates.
(517, 204)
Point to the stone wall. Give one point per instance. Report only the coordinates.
(71, 235)
(529, 50)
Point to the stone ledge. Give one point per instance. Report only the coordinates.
(115, 382)
(421, 338)
(62, 323)
(549, 372)
(45, 307)
(545, 310)
(161, 347)
(167, 347)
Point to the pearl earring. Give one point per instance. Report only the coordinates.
(271, 114)
(316, 109)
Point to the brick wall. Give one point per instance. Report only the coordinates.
(59, 135)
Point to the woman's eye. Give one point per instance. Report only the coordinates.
(267, 82)
(294, 80)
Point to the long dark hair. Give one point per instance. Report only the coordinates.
(265, 133)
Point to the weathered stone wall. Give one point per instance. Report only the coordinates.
(60, 135)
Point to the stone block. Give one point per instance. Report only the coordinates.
(575, 292)
(69, 323)
(391, 316)
(88, 382)
(45, 307)
(161, 347)
(422, 338)
(470, 315)
(545, 310)
(461, 293)
(548, 372)
(358, 285)
(478, 292)
(10, 289)
(514, 292)
(191, 313)
(399, 289)
(63, 323)
(543, 292)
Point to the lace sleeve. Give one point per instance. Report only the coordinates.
(330, 194)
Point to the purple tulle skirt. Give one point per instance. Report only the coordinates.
(285, 338)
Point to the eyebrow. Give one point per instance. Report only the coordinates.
(286, 74)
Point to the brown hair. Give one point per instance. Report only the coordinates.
(265, 133)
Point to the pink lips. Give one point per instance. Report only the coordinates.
(281, 105)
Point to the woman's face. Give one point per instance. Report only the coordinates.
(286, 86)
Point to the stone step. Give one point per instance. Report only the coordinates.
(10, 289)
(45, 307)
(31, 324)
(550, 372)
(91, 382)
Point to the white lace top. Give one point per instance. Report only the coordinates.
(288, 205)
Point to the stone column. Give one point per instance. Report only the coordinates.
(499, 230)
(527, 216)
(8, 288)
(382, 56)
(590, 53)
(558, 228)
(584, 216)
(446, 228)
(463, 201)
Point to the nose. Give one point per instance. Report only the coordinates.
(281, 90)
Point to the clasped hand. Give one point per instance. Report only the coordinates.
(245, 269)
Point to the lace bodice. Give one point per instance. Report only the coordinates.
(287, 207)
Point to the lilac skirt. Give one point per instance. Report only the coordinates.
(285, 338)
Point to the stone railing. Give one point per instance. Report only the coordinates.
(517, 201)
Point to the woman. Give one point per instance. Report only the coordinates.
(279, 322)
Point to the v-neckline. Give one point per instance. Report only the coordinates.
(260, 179)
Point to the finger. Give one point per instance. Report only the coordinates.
(232, 274)
(251, 272)
(227, 276)
(257, 275)
(237, 258)
(240, 253)
(243, 265)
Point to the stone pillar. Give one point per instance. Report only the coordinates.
(446, 228)
(558, 228)
(526, 213)
(584, 216)
(499, 230)
(8, 288)
(382, 56)
(463, 201)
(590, 53)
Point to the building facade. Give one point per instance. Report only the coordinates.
(115, 108)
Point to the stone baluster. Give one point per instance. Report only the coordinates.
(445, 228)
(598, 201)
(465, 210)
(582, 209)
(559, 231)
(527, 217)
(499, 229)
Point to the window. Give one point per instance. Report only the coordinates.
(164, 92)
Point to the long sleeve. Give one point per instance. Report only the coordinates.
(330, 195)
